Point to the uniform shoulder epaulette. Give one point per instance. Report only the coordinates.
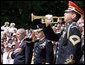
(74, 25)
(27, 40)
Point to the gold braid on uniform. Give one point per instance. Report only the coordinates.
(74, 42)
(70, 60)
(71, 38)
(28, 41)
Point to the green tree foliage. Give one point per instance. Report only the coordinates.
(20, 11)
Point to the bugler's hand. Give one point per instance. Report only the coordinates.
(48, 20)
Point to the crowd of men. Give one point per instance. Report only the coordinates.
(46, 45)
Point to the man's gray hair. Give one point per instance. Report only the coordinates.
(22, 31)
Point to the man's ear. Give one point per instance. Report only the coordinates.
(74, 16)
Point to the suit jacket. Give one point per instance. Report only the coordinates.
(25, 54)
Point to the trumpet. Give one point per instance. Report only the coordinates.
(33, 17)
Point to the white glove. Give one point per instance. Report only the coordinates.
(49, 18)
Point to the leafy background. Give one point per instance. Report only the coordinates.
(20, 11)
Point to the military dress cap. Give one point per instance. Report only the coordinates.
(39, 29)
(74, 7)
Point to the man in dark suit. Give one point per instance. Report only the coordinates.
(43, 50)
(69, 51)
(22, 53)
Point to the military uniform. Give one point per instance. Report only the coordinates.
(43, 52)
(69, 51)
(70, 43)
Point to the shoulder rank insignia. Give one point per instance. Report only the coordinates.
(74, 39)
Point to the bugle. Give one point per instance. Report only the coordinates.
(33, 17)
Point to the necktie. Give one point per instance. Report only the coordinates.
(18, 45)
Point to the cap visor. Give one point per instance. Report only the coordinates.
(68, 10)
